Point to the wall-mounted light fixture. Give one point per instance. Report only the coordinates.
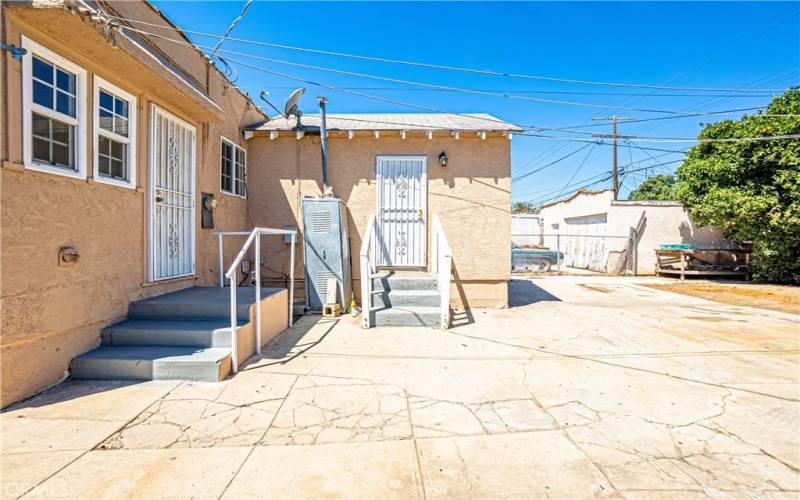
(443, 159)
(207, 211)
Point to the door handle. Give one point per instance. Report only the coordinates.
(159, 196)
(419, 214)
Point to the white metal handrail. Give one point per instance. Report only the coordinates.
(231, 274)
(367, 263)
(442, 267)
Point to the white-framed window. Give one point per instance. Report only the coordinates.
(233, 169)
(54, 112)
(114, 135)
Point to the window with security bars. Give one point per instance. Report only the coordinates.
(233, 169)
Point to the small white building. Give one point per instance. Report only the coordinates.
(595, 232)
(526, 229)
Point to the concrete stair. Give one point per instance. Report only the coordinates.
(181, 335)
(153, 363)
(405, 300)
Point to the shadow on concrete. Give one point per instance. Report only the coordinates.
(462, 316)
(293, 343)
(68, 390)
(524, 293)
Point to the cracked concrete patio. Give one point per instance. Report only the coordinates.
(587, 386)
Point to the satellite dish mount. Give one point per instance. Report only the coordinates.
(292, 106)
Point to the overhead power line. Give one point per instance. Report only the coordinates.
(528, 91)
(528, 127)
(431, 86)
(488, 119)
(230, 28)
(528, 174)
(578, 169)
(448, 67)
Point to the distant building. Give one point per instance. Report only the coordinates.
(598, 233)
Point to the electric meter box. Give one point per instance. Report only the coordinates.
(326, 251)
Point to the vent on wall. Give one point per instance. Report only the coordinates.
(322, 283)
(321, 222)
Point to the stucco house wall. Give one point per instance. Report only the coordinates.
(52, 313)
(471, 195)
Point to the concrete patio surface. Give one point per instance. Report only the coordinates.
(588, 386)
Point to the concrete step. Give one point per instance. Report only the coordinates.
(153, 363)
(404, 283)
(176, 333)
(198, 303)
(405, 298)
(406, 316)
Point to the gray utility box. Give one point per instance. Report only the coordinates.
(326, 251)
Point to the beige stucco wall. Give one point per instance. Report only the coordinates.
(664, 224)
(52, 313)
(471, 196)
(589, 203)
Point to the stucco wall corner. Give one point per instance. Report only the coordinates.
(37, 4)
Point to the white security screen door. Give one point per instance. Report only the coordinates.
(171, 181)
(401, 211)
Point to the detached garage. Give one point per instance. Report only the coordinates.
(598, 233)
(585, 242)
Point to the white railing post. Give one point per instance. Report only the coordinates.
(258, 293)
(221, 262)
(234, 324)
(443, 261)
(253, 236)
(366, 268)
(291, 282)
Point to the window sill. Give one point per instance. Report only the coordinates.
(234, 195)
(50, 169)
(113, 182)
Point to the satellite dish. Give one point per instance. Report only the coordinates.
(291, 103)
(264, 94)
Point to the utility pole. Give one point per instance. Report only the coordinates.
(613, 119)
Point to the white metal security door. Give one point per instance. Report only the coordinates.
(401, 211)
(172, 172)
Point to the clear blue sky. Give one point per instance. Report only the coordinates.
(689, 44)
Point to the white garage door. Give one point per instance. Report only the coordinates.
(586, 242)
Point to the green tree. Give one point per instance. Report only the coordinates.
(751, 189)
(658, 187)
(522, 207)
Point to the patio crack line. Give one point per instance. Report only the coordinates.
(564, 432)
(416, 448)
(253, 447)
(683, 461)
(93, 448)
(625, 367)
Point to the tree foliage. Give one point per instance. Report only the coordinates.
(522, 207)
(658, 187)
(751, 189)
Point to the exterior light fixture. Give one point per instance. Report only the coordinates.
(443, 159)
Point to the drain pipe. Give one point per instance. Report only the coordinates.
(323, 133)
